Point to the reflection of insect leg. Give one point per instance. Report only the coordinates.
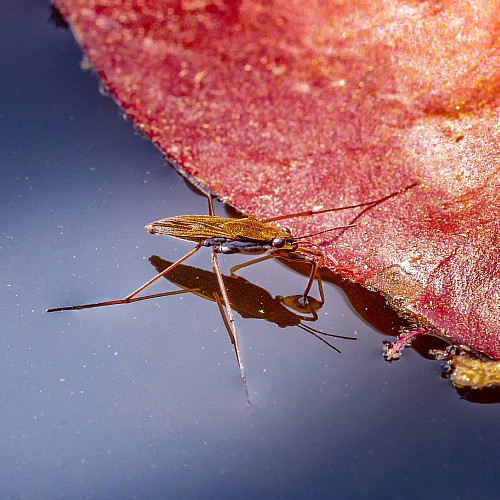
(317, 333)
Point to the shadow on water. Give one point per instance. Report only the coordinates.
(373, 308)
(248, 299)
(251, 301)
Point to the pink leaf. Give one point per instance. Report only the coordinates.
(282, 106)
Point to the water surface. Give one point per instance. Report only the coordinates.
(145, 400)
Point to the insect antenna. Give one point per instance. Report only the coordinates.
(367, 204)
(325, 231)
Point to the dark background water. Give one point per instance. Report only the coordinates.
(145, 400)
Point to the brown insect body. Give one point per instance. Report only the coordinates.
(247, 235)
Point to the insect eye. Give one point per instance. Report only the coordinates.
(278, 242)
(287, 229)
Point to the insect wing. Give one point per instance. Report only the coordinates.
(189, 227)
(198, 228)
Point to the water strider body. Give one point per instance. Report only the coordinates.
(248, 236)
(227, 236)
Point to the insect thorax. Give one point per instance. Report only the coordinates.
(225, 246)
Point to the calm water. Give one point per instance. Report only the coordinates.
(145, 400)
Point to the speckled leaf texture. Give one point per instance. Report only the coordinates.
(283, 105)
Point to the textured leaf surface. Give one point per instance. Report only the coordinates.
(281, 106)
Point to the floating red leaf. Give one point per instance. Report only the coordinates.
(280, 106)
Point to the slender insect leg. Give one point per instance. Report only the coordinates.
(129, 298)
(229, 309)
(211, 210)
(121, 301)
(314, 271)
(305, 254)
(233, 270)
(313, 274)
(308, 213)
(218, 301)
(163, 273)
(232, 330)
(320, 288)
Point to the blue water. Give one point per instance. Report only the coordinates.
(145, 400)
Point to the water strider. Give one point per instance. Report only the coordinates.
(250, 236)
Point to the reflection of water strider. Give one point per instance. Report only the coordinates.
(248, 299)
